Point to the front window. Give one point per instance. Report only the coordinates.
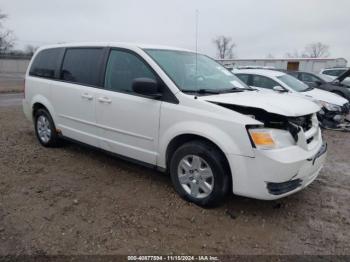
(263, 82)
(193, 72)
(122, 69)
(293, 83)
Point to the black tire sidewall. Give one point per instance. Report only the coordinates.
(214, 159)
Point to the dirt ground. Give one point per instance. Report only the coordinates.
(74, 200)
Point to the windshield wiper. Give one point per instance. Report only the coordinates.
(308, 89)
(201, 91)
(236, 89)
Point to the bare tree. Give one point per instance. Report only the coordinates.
(315, 50)
(7, 38)
(270, 56)
(224, 46)
(294, 54)
(30, 49)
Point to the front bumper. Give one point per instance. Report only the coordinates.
(274, 174)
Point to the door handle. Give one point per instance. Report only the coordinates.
(104, 100)
(87, 96)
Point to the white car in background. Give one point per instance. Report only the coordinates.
(335, 109)
(334, 73)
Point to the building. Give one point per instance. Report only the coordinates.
(14, 64)
(293, 64)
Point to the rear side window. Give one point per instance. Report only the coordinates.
(46, 63)
(82, 66)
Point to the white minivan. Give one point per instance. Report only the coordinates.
(178, 111)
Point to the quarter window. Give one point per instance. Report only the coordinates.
(46, 63)
(81, 65)
(263, 82)
(122, 68)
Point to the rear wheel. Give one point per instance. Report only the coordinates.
(198, 172)
(45, 129)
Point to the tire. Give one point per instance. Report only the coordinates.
(45, 129)
(190, 167)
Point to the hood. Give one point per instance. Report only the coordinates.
(321, 95)
(281, 104)
(342, 76)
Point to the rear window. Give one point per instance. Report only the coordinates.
(81, 65)
(46, 63)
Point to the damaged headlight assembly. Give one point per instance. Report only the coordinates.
(270, 138)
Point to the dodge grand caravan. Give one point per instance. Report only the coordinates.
(177, 111)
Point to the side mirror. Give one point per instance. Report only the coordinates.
(146, 87)
(279, 89)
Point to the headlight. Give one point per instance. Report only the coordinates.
(270, 138)
(328, 106)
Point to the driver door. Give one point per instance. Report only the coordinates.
(128, 122)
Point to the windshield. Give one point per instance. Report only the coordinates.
(293, 83)
(195, 72)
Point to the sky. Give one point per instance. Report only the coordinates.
(257, 27)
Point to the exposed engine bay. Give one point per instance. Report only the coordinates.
(335, 120)
(291, 124)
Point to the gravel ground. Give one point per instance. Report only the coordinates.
(74, 200)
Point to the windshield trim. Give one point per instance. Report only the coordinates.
(194, 53)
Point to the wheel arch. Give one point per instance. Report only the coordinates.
(40, 101)
(181, 139)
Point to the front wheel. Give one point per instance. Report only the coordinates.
(199, 173)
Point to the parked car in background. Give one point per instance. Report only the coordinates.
(335, 109)
(177, 111)
(334, 73)
(323, 82)
(343, 79)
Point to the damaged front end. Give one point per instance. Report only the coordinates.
(335, 119)
(303, 129)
